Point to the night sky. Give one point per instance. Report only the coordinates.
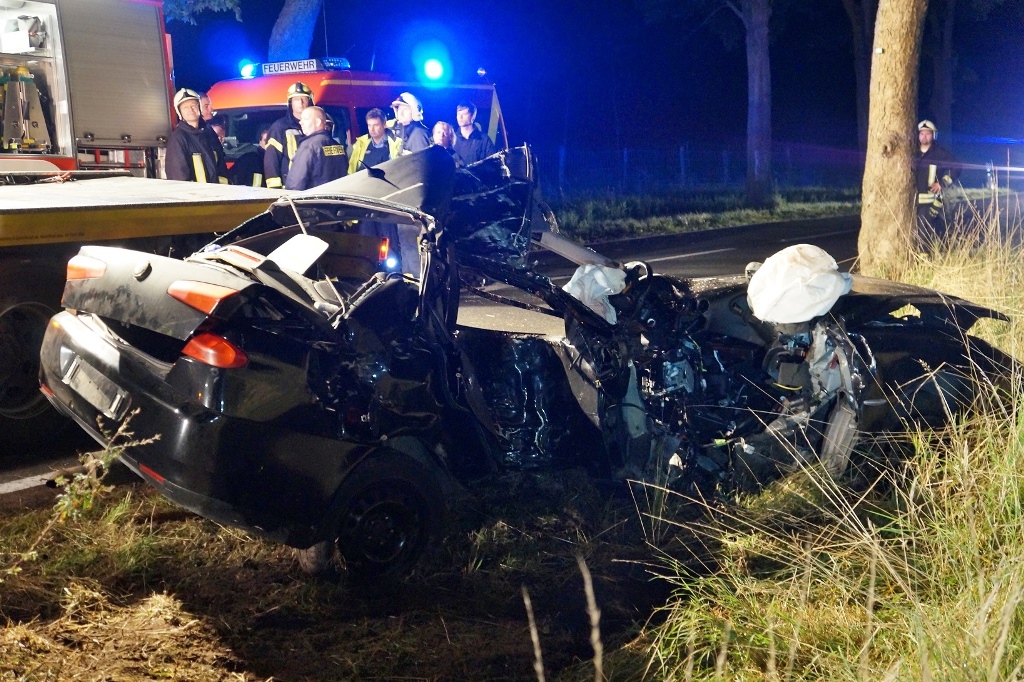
(596, 73)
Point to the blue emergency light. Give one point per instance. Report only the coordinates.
(247, 68)
(432, 62)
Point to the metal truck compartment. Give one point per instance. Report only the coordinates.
(115, 56)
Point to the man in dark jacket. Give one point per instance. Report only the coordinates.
(319, 158)
(248, 168)
(409, 116)
(193, 152)
(285, 136)
(470, 143)
(937, 169)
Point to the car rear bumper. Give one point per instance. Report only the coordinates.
(258, 476)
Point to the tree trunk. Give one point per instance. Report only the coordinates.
(888, 212)
(756, 14)
(941, 103)
(293, 31)
(862, 20)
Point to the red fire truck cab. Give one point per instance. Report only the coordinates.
(250, 105)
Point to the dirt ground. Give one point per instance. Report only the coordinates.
(139, 589)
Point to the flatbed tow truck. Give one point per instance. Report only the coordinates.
(43, 224)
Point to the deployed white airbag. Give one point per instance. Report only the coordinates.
(592, 284)
(796, 285)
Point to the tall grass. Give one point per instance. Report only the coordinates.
(918, 578)
(612, 216)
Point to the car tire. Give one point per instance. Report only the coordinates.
(391, 513)
(28, 297)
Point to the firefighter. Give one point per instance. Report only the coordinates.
(936, 170)
(319, 158)
(193, 151)
(285, 136)
(470, 142)
(378, 145)
(409, 115)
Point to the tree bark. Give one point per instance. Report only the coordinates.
(888, 212)
(292, 34)
(862, 20)
(755, 15)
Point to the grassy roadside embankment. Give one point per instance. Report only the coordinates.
(918, 581)
(599, 218)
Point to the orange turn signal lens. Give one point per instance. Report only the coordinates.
(385, 246)
(199, 295)
(215, 351)
(85, 267)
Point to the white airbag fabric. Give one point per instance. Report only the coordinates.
(592, 284)
(796, 285)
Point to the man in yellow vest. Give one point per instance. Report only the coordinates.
(378, 145)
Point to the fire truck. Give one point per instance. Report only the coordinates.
(251, 104)
(85, 85)
(85, 91)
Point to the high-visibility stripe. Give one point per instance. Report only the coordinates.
(257, 179)
(925, 198)
(271, 142)
(222, 180)
(274, 183)
(200, 169)
(292, 144)
(932, 172)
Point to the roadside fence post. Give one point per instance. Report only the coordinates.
(682, 166)
(625, 169)
(561, 167)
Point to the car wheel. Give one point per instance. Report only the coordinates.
(392, 509)
(26, 305)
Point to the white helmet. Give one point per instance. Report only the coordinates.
(184, 95)
(927, 125)
(410, 100)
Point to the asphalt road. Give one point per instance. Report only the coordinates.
(717, 252)
(699, 254)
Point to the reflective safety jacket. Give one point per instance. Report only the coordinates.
(362, 146)
(319, 159)
(248, 169)
(195, 155)
(935, 165)
(285, 135)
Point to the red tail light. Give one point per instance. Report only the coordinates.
(152, 474)
(385, 246)
(215, 351)
(199, 295)
(85, 267)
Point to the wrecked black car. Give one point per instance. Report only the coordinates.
(300, 392)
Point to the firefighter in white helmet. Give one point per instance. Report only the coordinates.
(193, 151)
(409, 123)
(937, 169)
(285, 136)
